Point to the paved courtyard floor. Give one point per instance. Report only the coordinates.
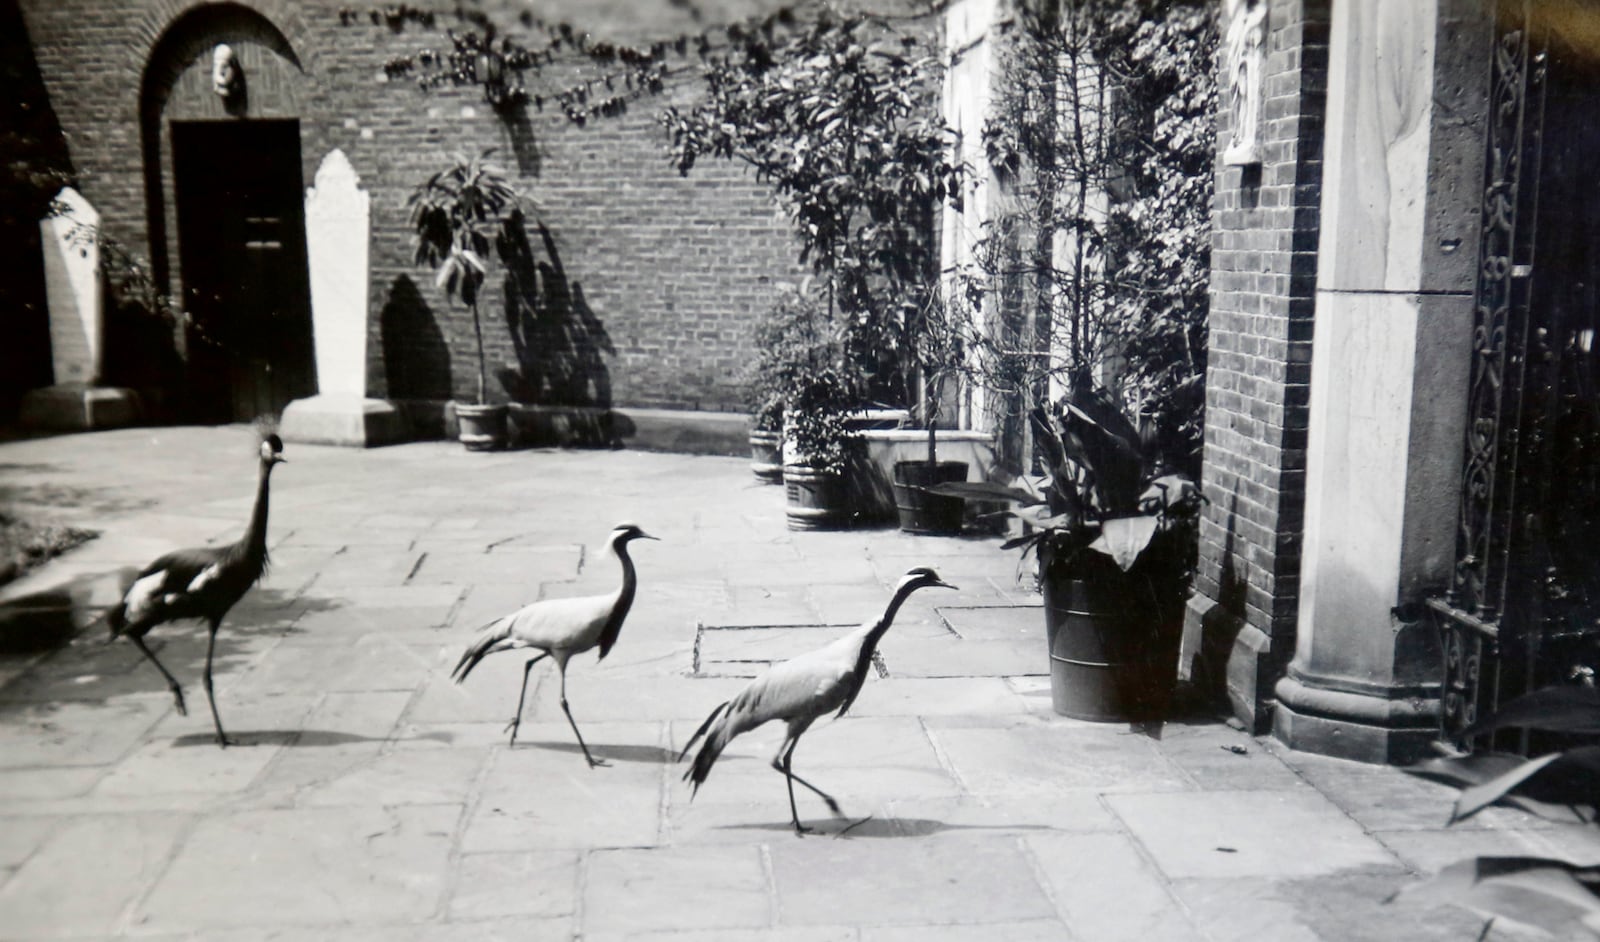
(372, 799)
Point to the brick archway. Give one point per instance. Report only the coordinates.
(175, 94)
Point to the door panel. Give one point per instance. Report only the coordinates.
(241, 244)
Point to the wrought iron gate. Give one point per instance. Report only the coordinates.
(1524, 607)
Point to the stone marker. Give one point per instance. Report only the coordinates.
(77, 328)
(338, 221)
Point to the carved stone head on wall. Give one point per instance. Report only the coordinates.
(227, 78)
(1243, 54)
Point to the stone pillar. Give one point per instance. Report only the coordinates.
(68, 238)
(1390, 368)
(338, 224)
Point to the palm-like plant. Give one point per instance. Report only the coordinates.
(455, 214)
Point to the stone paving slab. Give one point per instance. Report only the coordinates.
(71, 733)
(542, 883)
(1241, 834)
(374, 799)
(637, 889)
(80, 882)
(979, 879)
(502, 566)
(1106, 890)
(1021, 756)
(306, 867)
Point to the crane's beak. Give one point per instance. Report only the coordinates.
(645, 536)
(279, 459)
(941, 584)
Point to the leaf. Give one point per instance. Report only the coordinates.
(1476, 798)
(1124, 538)
(1568, 708)
(1546, 895)
(1039, 517)
(1547, 800)
(984, 490)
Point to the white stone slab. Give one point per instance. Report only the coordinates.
(338, 215)
(72, 288)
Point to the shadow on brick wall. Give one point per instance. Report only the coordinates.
(560, 343)
(416, 361)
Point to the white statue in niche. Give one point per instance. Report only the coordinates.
(1243, 49)
(227, 79)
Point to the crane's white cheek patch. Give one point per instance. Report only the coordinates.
(206, 575)
(142, 595)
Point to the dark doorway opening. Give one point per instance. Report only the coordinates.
(242, 248)
(1524, 610)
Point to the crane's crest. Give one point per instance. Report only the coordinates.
(628, 530)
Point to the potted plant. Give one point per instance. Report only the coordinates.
(803, 368)
(764, 389)
(455, 214)
(1114, 528)
(933, 344)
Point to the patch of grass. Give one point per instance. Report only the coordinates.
(25, 544)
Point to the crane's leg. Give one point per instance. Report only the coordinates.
(516, 721)
(782, 762)
(211, 646)
(567, 710)
(177, 692)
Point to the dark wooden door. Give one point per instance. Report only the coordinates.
(241, 244)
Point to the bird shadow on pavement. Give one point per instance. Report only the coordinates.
(300, 738)
(883, 827)
(621, 752)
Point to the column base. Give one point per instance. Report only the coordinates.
(1381, 725)
(1225, 657)
(79, 407)
(343, 420)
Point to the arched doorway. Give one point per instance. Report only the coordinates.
(225, 200)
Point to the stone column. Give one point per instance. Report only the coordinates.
(1389, 375)
(68, 238)
(338, 224)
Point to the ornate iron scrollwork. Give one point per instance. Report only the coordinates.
(1500, 331)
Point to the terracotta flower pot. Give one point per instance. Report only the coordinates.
(921, 512)
(766, 457)
(483, 427)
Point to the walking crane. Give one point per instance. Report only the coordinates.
(799, 691)
(561, 628)
(203, 582)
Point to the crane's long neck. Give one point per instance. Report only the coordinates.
(624, 598)
(877, 630)
(254, 544)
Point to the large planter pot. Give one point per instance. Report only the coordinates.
(766, 456)
(817, 500)
(921, 512)
(1113, 639)
(483, 427)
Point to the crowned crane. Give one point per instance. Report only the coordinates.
(203, 582)
(560, 628)
(799, 691)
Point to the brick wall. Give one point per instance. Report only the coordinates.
(1263, 285)
(671, 269)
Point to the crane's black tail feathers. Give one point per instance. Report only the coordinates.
(491, 635)
(707, 756)
(703, 727)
